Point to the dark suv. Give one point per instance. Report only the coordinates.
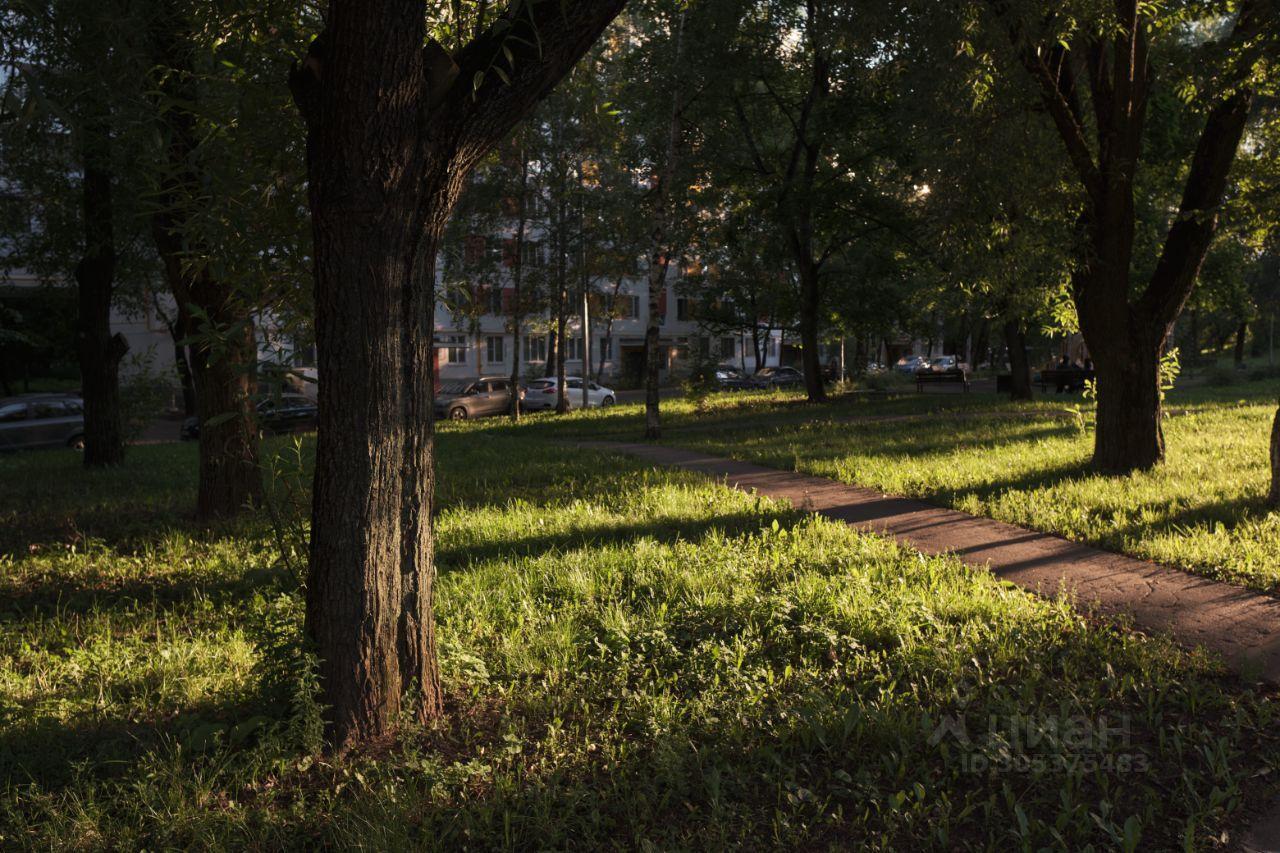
(276, 415)
(41, 420)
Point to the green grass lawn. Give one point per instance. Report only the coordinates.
(1026, 464)
(634, 659)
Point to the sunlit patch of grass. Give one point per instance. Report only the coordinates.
(633, 658)
(1203, 509)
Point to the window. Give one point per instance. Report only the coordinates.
(682, 308)
(728, 347)
(495, 349)
(531, 253)
(773, 346)
(573, 348)
(535, 348)
(704, 346)
(13, 412)
(495, 300)
(49, 409)
(455, 347)
(623, 306)
(498, 386)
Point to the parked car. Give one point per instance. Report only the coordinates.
(730, 378)
(474, 398)
(911, 364)
(944, 363)
(276, 415)
(778, 377)
(542, 394)
(41, 420)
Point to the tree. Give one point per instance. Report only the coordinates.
(1098, 73)
(69, 63)
(224, 217)
(395, 121)
(809, 109)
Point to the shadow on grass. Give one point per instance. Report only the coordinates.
(455, 557)
(57, 597)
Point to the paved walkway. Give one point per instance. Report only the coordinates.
(1241, 625)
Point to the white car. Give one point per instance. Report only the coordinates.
(911, 364)
(542, 394)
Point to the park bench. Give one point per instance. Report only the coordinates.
(1070, 378)
(941, 377)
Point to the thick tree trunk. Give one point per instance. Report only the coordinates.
(1129, 434)
(1242, 332)
(372, 572)
(390, 142)
(99, 350)
(810, 297)
(1019, 365)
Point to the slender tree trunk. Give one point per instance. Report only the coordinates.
(517, 275)
(660, 249)
(181, 362)
(99, 350)
(224, 354)
(652, 360)
(1273, 499)
(1242, 332)
(1019, 365)
(562, 302)
(810, 298)
(225, 382)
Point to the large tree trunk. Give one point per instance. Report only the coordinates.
(99, 350)
(1129, 434)
(1019, 365)
(810, 297)
(390, 142)
(369, 591)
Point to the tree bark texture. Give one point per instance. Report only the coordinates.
(391, 138)
(99, 350)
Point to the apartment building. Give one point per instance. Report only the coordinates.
(472, 344)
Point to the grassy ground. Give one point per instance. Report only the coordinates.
(1029, 465)
(634, 659)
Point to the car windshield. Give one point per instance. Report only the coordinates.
(454, 387)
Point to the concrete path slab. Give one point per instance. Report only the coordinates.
(1240, 625)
